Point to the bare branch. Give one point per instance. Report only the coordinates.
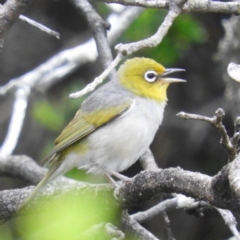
(168, 227)
(148, 184)
(27, 169)
(216, 122)
(90, 87)
(221, 191)
(154, 40)
(181, 201)
(16, 122)
(140, 3)
(230, 221)
(234, 175)
(232, 7)
(166, 205)
(178, 202)
(134, 227)
(9, 13)
(99, 27)
(40, 26)
(147, 161)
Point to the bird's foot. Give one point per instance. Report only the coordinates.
(112, 181)
(119, 176)
(117, 185)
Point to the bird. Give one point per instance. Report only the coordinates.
(115, 125)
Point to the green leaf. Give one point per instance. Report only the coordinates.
(48, 116)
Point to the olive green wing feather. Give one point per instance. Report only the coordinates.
(86, 122)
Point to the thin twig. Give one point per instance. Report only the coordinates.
(40, 26)
(154, 40)
(180, 201)
(168, 227)
(216, 122)
(90, 87)
(136, 228)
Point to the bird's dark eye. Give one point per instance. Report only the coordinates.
(150, 76)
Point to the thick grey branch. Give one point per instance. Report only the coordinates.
(24, 167)
(221, 191)
(21, 167)
(147, 161)
(149, 184)
(234, 176)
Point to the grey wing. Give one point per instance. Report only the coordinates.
(109, 95)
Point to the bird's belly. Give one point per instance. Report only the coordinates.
(119, 144)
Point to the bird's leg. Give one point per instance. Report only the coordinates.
(109, 173)
(118, 175)
(111, 180)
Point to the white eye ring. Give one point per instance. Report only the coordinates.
(150, 76)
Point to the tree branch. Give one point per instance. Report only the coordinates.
(133, 226)
(147, 161)
(232, 7)
(230, 221)
(99, 27)
(40, 26)
(9, 13)
(16, 122)
(25, 168)
(220, 191)
(216, 122)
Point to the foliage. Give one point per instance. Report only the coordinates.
(69, 217)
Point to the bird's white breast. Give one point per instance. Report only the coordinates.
(117, 145)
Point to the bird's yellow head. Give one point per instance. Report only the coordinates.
(146, 78)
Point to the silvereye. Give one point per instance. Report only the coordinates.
(115, 124)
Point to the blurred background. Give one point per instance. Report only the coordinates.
(194, 42)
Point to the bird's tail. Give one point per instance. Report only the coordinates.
(40, 186)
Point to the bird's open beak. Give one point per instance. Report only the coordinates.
(171, 80)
